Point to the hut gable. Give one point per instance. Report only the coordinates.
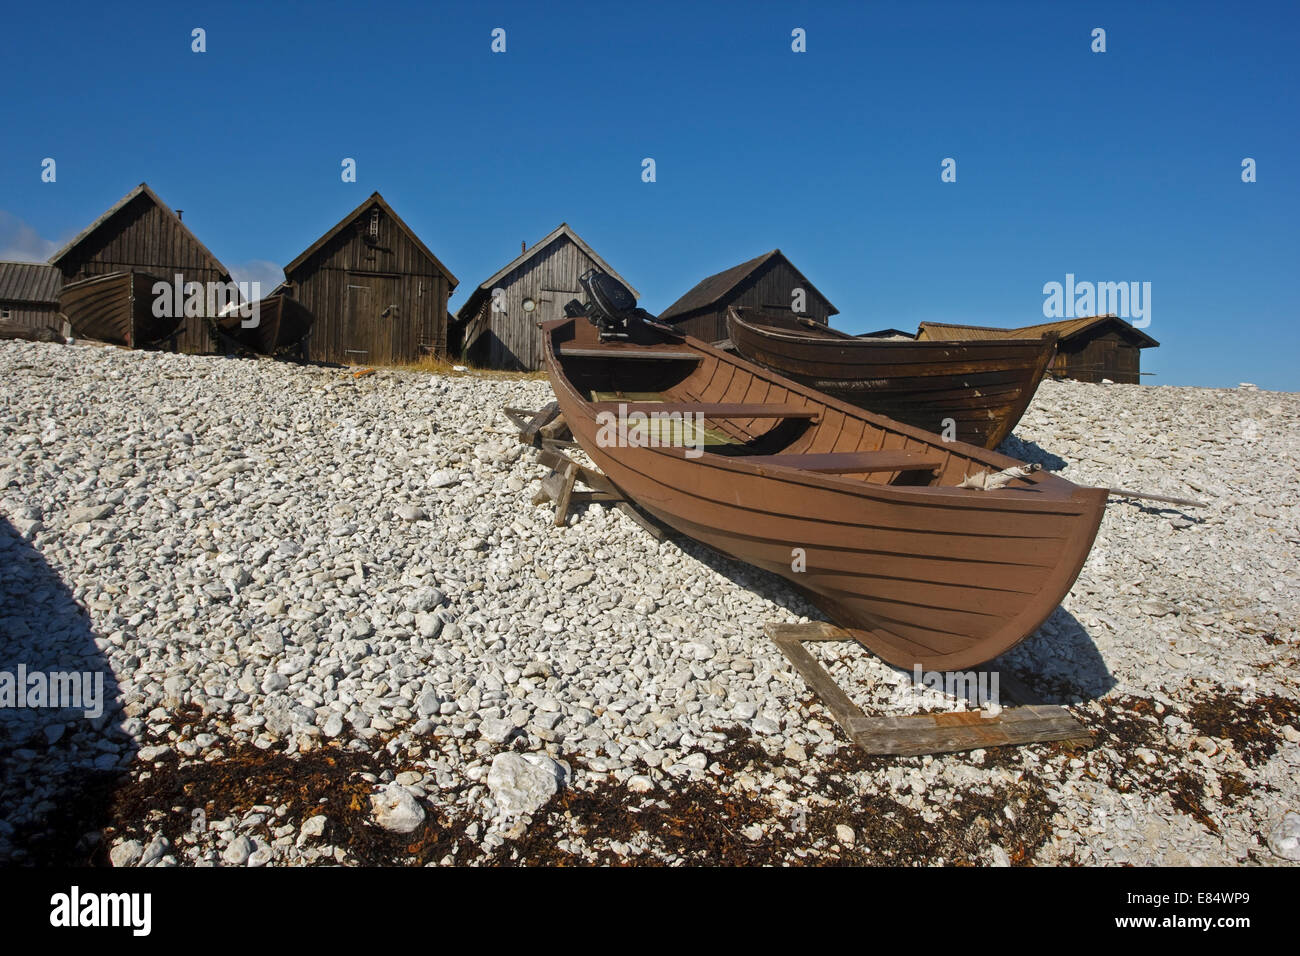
(766, 282)
(498, 329)
(1090, 349)
(139, 233)
(378, 293)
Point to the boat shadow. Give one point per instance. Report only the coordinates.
(59, 765)
(1031, 453)
(1058, 664)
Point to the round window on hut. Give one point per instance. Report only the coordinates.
(529, 305)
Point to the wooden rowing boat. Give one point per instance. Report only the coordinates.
(283, 323)
(980, 388)
(117, 308)
(860, 512)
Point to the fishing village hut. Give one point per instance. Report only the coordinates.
(139, 233)
(768, 283)
(1089, 349)
(499, 328)
(29, 299)
(379, 295)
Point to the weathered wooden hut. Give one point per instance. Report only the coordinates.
(769, 282)
(1089, 349)
(379, 295)
(140, 233)
(497, 325)
(29, 295)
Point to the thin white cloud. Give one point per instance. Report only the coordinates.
(20, 242)
(262, 271)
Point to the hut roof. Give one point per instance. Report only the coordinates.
(1065, 328)
(709, 292)
(141, 190)
(30, 282)
(475, 301)
(374, 199)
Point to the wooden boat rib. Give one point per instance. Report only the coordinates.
(117, 308)
(282, 324)
(922, 572)
(984, 386)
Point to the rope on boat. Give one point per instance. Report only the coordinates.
(990, 480)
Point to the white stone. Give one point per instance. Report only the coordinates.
(1284, 838)
(522, 783)
(395, 809)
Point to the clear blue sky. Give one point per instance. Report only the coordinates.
(1122, 166)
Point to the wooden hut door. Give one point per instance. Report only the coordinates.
(368, 337)
(357, 329)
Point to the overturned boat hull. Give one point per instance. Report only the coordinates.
(117, 308)
(283, 325)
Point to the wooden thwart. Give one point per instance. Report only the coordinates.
(915, 734)
(850, 462)
(710, 409)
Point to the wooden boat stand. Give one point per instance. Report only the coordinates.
(915, 734)
(543, 430)
(907, 735)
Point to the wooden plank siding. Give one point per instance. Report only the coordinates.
(498, 330)
(145, 236)
(32, 315)
(551, 280)
(380, 302)
(770, 287)
(1091, 358)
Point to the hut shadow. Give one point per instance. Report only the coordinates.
(59, 765)
(1058, 664)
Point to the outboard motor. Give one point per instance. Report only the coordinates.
(610, 304)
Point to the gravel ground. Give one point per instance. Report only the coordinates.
(332, 628)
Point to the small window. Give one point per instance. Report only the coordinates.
(4, 313)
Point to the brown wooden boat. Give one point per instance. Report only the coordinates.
(283, 324)
(117, 308)
(921, 571)
(983, 386)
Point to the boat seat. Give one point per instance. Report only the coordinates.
(613, 352)
(851, 462)
(713, 409)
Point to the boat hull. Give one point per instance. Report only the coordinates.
(283, 324)
(975, 390)
(923, 575)
(117, 308)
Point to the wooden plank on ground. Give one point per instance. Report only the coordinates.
(913, 734)
(969, 730)
(821, 684)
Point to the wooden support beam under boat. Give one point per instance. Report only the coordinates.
(915, 734)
